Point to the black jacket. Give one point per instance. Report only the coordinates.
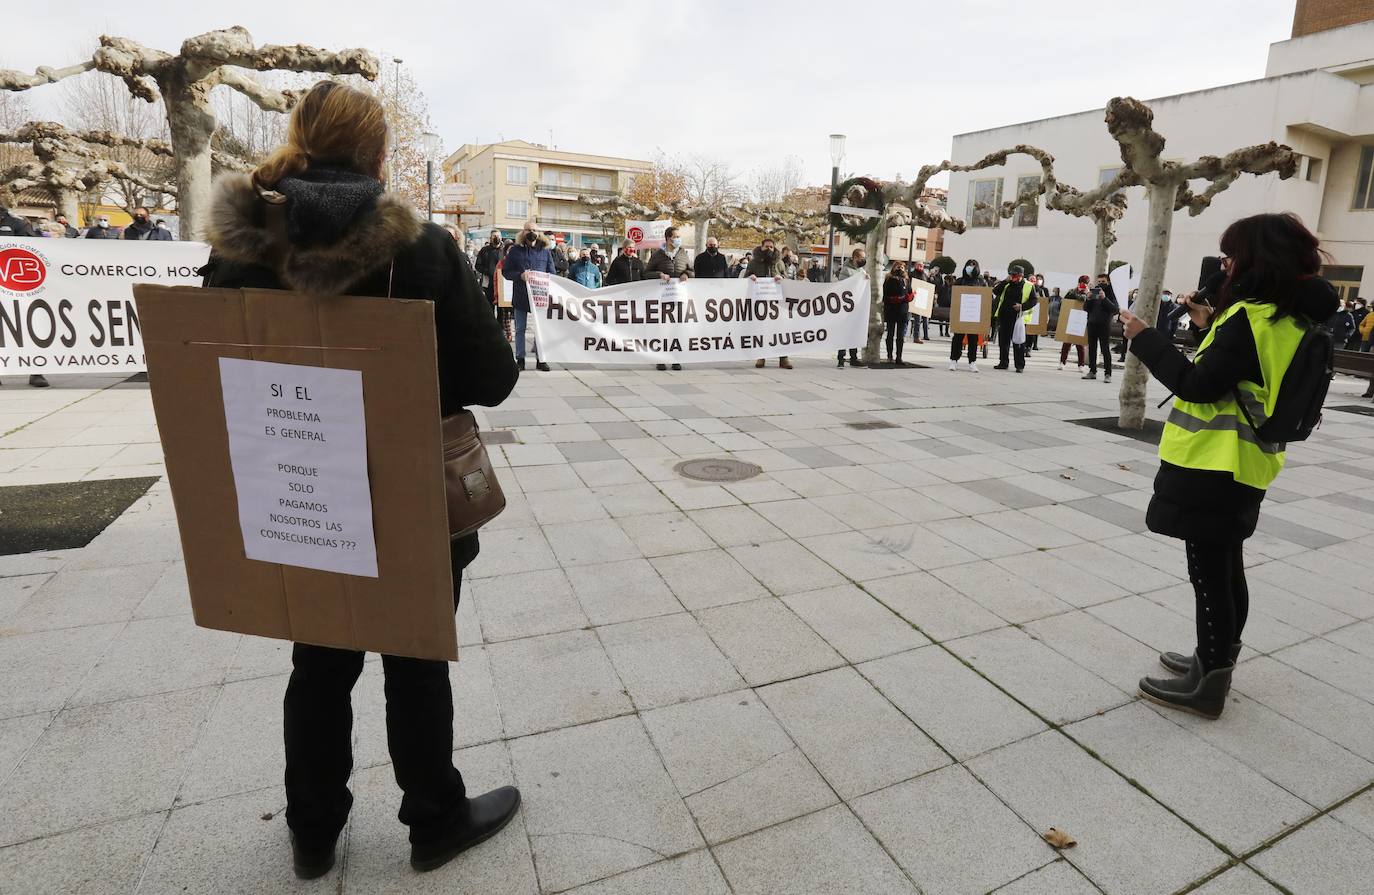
(138, 231)
(708, 266)
(1101, 307)
(895, 308)
(10, 225)
(1199, 504)
(101, 233)
(372, 244)
(973, 279)
(625, 269)
(1020, 294)
(488, 256)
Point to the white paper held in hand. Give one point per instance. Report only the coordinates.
(298, 450)
(1077, 324)
(970, 307)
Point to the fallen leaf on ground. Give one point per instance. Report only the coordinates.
(1059, 839)
(1123, 466)
(1065, 475)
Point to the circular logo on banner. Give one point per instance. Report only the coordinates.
(636, 234)
(21, 270)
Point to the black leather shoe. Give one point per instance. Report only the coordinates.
(661, 367)
(1000, 367)
(311, 862)
(840, 363)
(542, 367)
(677, 366)
(479, 820)
(1195, 692)
(38, 380)
(521, 362)
(1179, 663)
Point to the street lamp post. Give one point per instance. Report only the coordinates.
(836, 156)
(391, 136)
(431, 141)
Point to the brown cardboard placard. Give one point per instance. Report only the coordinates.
(983, 325)
(1066, 309)
(1040, 325)
(408, 609)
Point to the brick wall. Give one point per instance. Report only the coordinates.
(1311, 16)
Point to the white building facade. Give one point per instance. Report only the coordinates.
(1317, 96)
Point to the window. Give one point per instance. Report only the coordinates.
(517, 208)
(1314, 170)
(565, 178)
(517, 174)
(1364, 179)
(587, 181)
(902, 244)
(920, 245)
(603, 182)
(1027, 215)
(548, 177)
(984, 202)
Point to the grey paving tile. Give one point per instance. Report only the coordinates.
(554, 681)
(509, 550)
(16, 736)
(855, 624)
(508, 419)
(708, 578)
(786, 567)
(951, 834)
(940, 611)
(1318, 706)
(90, 861)
(1341, 668)
(683, 412)
(589, 543)
(766, 641)
(598, 802)
(667, 659)
(817, 457)
(1111, 511)
(1091, 643)
(695, 873)
(614, 431)
(920, 546)
(949, 702)
(1007, 494)
(73, 598)
(823, 853)
(621, 591)
(853, 735)
(525, 604)
(1133, 575)
(103, 762)
(1324, 857)
(857, 556)
(1221, 796)
(1059, 878)
(1358, 814)
(1298, 534)
(42, 670)
(158, 655)
(586, 451)
(736, 526)
(1011, 597)
(1051, 782)
(241, 748)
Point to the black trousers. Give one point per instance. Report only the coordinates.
(956, 346)
(896, 331)
(1005, 349)
(1223, 598)
(319, 730)
(1100, 337)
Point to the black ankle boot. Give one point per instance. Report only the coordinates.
(1179, 663)
(312, 861)
(478, 820)
(1196, 692)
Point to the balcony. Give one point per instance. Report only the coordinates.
(557, 223)
(556, 191)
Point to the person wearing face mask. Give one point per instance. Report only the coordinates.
(529, 254)
(68, 231)
(710, 264)
(767, 263)
(626, 268)
(141, 227)
(852, 266)
(737, 269)
(101, 230)
(1010, 298)
(972, 276)
(487, 258)
(584, 272)
(668, 261)
(160, 232)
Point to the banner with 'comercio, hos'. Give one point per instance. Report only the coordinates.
(695, 321)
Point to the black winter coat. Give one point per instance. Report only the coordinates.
(1101, 308)
(895, 308)
(365, 242)
(1200, 504)
(708, 266)
(625, 269)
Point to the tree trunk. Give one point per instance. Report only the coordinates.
(874, 243)
(1161, 224)
(1102, 257)
(68, 204)
(191, 123)
(702, 227)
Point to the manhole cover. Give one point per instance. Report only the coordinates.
(873, 424)
(717, 470)
(1357, 408)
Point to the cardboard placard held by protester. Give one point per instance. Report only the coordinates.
(1073, 320)
(1037, 319)
(263, 352)
(923, 298)
(971, 310)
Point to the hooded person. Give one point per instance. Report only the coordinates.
(972, 275)
(344, 234)
(1010, 299)
(529, 254)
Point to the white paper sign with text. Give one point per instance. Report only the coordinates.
(1077, 324)
(298, 449)
(67, 305)
(697, 321)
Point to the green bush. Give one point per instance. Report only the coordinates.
(944, 264)
(1113, 265)
(1025, 266)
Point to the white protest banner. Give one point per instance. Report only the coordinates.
(67, 305)
(697, 321)
(298, 450)
(646, 234)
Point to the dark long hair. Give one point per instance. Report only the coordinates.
(1270, 254)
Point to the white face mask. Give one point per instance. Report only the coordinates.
(969, 270)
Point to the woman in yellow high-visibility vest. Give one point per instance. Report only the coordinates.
(1213, 469)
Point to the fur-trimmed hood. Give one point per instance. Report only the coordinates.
(543, 241)
(366, 233)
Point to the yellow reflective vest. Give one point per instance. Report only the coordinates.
(1216, 435)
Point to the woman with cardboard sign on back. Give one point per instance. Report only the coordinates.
(1257, 381)
(335, 230)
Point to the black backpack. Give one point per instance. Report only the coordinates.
(1301, 394)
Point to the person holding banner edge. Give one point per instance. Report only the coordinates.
(669, 260)
(530, 253)
(338, 232)
(767, 263)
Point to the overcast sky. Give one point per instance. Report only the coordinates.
(749, 83)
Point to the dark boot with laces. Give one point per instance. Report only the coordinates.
(1179, 663)
(1197, 692)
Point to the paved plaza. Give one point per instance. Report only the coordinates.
(886, 664)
